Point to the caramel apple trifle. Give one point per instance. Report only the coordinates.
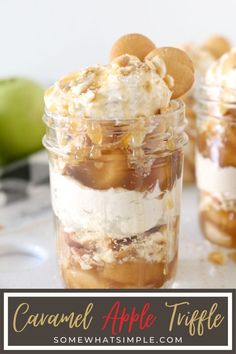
(216, 151)
(115, 139)
(202, 56)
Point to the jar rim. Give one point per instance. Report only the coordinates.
(178, 108)
(217, 102)
(211, 92)
(162, 127)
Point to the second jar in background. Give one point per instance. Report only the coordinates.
(216, 164)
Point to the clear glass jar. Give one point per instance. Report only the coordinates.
(116, 189)
(216, 164)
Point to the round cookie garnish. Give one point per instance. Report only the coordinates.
(132, 44)
(179, 66)
(217, 45)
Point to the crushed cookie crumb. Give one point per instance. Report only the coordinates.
(126, 70)
(159, 66)
(216, 258)
(151, 65)
(170, 82)
(123, 60)
(148, 86)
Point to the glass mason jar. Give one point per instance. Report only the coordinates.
(116, 188)
(216, 164)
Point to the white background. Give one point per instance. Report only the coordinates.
(44, 39)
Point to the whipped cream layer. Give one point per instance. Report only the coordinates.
(126, 88)
(117, 213)
(211, 178)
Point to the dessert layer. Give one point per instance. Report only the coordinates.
(116, 211)
(95, 253)
(141, 261)
(127, 275)
(216, 140)
(215, 179)
(126, 88)
(117, 168)
(214, 233)
(218, 220)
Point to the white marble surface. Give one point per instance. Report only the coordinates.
(27, 247)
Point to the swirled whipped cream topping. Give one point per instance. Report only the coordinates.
(223, 71)
(126, 88)
(221, 80)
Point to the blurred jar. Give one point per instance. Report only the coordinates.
(203, 57)
(116, 189)
(216, 163)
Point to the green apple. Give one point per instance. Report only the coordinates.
(21, 125)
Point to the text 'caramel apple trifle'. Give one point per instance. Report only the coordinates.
(115, 139)
(202, 56)
(216, 151)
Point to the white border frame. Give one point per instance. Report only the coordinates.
(115, 347)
